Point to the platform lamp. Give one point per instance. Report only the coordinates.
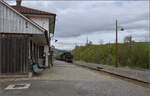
(51, 53)
(56, 40)
(116, 51)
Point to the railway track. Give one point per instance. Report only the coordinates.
(116, 76)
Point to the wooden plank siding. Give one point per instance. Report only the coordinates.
(20, 39)
(14, 55)
(12, 21)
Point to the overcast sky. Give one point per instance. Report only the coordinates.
(77, 20)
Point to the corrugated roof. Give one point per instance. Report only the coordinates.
(26, 10)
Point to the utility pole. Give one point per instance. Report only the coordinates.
(75, 49)
(116, 65)
(87, 41)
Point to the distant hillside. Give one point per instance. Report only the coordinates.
(135, 54)
(58, 51)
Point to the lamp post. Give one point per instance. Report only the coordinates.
(51, 50)
(116, 51)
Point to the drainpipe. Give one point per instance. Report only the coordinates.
(46, 36)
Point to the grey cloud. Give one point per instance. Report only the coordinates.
(80, 18)
(79, 22)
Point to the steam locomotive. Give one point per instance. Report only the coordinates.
(65, 56)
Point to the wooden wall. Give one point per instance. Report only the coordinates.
(12, 21)
(13, 55)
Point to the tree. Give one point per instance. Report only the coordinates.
(90, 42)
(128, 39)
(101, 42)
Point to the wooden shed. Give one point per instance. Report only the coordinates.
(22, 42)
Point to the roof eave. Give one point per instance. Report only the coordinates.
(44, 12)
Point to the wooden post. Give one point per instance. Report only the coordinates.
(87, 49)
(116, 65)
(50, 53)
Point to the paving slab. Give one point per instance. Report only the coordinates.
(65, 79)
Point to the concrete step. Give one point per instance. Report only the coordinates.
(13, 76)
